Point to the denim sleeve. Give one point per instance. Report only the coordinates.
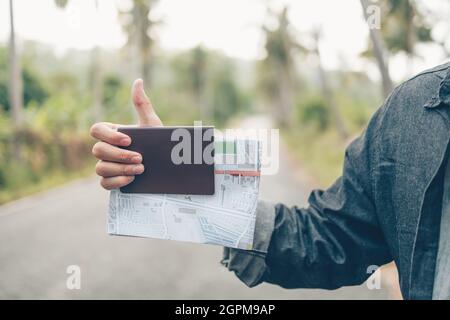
(331, 243)
(249, 265)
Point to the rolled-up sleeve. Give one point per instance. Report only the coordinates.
(249, 265)
(329, 244)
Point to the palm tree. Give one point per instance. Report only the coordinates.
(97, 78)
(379, 52)
(138, 27)
(277, 77)
(96, 70)
(15, 85)
(402, 28)
(326, 89)
(61, 3)
(197, 72)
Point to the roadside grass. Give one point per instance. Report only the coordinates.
(320, 153)
(50, 180)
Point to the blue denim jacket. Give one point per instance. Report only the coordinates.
(386, 206)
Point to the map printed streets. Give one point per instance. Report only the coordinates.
(226, 218)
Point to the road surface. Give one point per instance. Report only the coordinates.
(40, 236)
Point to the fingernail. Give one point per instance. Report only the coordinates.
(138, 169)
(125, 141)
(136, 159)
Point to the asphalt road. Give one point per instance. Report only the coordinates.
(40, 236)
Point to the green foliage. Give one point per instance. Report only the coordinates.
(138, 26)
(280, 42)
(175, 107)
(197, 70)
(206, 82)
(111, 87)
(4, 99)
(277, 77)
(195, 84)
(63, 82)
(54, 138)
(33, 88)
(314, 111)
(404, 26)
(355, 112)
(61, 113)
(320, 153)
(61, 3)
(226, 98)
(314, 140)
(191, 70)
(45, 149)
(116, 100)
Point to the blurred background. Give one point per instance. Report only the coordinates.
(315, 69)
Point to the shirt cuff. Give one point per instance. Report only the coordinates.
(249, 265)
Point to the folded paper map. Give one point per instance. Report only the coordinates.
(226, 218)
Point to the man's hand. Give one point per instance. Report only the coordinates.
(117, 166)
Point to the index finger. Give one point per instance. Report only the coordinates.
(108, 133)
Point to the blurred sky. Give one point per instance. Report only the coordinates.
(233, 26)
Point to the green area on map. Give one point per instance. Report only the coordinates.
(225, 147)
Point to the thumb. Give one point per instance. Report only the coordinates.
(144, 108)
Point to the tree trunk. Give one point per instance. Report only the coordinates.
(146, 64)
(379, 52)
(285, 96)
(97, 77)
(97, 85)
(15, 83)
(200, 98)
(15, 87)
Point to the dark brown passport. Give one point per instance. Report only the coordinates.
(161, 174)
